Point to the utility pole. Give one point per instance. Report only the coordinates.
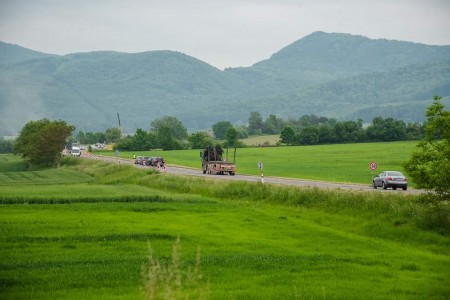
(120, 127)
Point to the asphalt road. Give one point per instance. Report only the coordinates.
(270, 180)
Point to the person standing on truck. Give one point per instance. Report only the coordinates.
(219, 152)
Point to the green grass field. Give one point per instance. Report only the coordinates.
(88, 238)
(337, 163)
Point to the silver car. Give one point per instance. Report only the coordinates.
(393, 179)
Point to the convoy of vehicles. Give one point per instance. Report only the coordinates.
(156, 162)
(213, 162)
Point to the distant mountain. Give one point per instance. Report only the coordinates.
(328, 74)
(12, 54)
(321, 57)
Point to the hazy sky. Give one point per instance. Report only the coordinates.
(227, 33)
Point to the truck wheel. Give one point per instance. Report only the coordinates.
(232, 173)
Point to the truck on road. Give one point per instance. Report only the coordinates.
(214, 163)
(76, 150)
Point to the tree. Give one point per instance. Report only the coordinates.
(166, 141)
(41, 142)
(6, 146)
(220, 128)
(429, 165)
(414, 131)
(287, 135)
(200, 140)
(231, 137)
(308, 136)
(349, 131)
(113, 135)
(326, 134)
(142, 141)
(81, 137)
(388, 129)
(171, 125)
(273, 125)
(255, 123)
(125, 144)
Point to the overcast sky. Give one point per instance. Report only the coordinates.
(227, 33)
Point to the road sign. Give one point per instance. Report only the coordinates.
(260, 165)
(373, 165)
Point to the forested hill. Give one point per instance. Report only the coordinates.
(11, 54)
(337, 75)
(321, 57)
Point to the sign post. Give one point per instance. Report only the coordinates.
(261, 166)
(373, 166)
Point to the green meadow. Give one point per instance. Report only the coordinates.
(84, 232)
(338, 163)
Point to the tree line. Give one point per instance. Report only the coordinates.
(312, 130)
(168, 133)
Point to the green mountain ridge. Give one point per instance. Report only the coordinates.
(328, 74)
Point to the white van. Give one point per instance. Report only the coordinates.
(75, 151)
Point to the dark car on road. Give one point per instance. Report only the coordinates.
(393, 179)
(155, 161)
(138, 160)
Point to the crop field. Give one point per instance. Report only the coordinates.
(98, 237)
(263, 140)
(337, 163)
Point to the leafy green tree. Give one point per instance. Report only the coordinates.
(141, 141)
(273, 125)
(232, 137)
(171, 125)
(113, 135)
(242, 132)
(388, 129)
(166, 141)
(200, 140)
(349, 131)
(305, 121)
(287, 135)
(414, 131)
(81, 137)
(255, 123)
(101, 137)
(326, 134)
(125, 144)
(89, 138)
(6, 146)
(41, 142)
(429, 165)
(308, 136)
(220, 128)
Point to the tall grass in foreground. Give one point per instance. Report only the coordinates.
(258, 241)
(169, 280)
(404, 209)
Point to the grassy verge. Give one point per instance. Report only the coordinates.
(256, 241)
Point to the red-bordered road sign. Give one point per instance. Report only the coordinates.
(373, 165)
